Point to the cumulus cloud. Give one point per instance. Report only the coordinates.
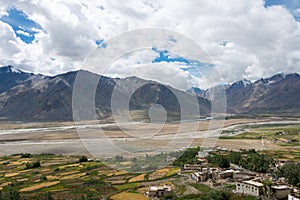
(170, 73)
(244, 39)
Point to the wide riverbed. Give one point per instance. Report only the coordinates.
(132, 139)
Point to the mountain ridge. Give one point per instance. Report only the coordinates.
(46, 98)
(279, 93)
(35, 97)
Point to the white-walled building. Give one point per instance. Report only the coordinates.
(294, 197)
(252, 188)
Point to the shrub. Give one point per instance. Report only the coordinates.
(26, 155)
(83, 159)
(32, 165)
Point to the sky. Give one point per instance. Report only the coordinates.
(246, 39)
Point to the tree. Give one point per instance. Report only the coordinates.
(188, 157)
(10, 193)
(32, 165)
(49, 196)
(119, 158)
(26, 155)
(219, 160)
(291, 172)
(83, 159)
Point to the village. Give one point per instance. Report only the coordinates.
(241, 181)
(218, 173)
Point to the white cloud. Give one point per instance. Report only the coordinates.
(261, 41)
(23, 33)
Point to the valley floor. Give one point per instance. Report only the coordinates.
(135, 138)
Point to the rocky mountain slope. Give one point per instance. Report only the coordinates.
(30, 97)
(277, 94)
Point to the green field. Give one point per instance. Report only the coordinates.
(275, 132)
(67, 177)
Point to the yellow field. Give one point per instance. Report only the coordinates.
(11, 175)
(72, 165)
(39, 186)
(118, 173)
(137, 178)
(73, 176)
(20, 162)
(51, 178)
(129, 196)
(173, 171)
(5, 184)
(68, 173)
(163, 172)
(126, 163)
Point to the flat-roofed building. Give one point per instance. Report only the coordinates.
(192, 167)
(252, 188)
(225, 174)
(158, 191)
(281, 191)
(200, 176)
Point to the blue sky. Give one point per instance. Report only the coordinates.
(194, 67)
(291, 5)
(24, 27)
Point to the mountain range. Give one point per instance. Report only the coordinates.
(31, 97)
(275, 95)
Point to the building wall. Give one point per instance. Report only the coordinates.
(247, 189)
(293, 198)
(282, 194)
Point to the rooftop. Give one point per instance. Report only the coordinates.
(156, 188)
(254, 183)
(281, 187)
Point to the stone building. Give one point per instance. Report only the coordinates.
(225, 174)
(158, 191)
(280, 191)
(200, 176)
(252, 188)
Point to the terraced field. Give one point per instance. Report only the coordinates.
(64, 177)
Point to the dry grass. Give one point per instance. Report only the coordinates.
(39, 186)
(158, 174)
(73, 176)
(20, 162)
(117, 173)
(71, 165)
(51, 178)
(173, 171)
(129, 196)
(169, 171)
(25, 171)
(142, 190)
(68, 173)
(5, 184)
(11, 175)
(106, 172)
(126, 163)
(137, 178)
